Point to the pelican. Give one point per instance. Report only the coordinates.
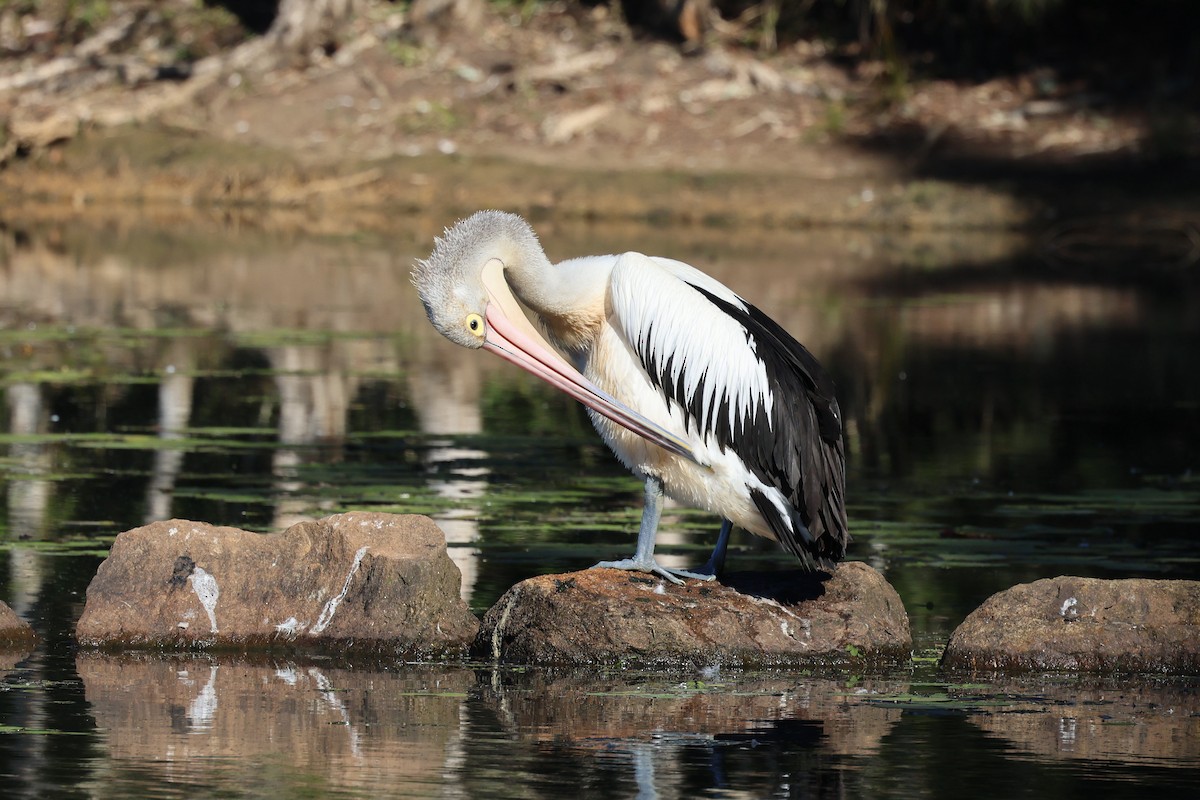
(704, 397)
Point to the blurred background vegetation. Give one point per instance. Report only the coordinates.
(962, 89)
(1148, 51)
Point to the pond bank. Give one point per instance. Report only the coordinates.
(160, 172)
(170, 175)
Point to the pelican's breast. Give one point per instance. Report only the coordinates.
(719, 484)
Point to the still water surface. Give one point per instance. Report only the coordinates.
(1009, 417)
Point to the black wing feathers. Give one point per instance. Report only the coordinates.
(797, 449)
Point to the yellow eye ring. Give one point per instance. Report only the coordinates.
(475, 324)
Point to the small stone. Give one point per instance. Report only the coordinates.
(600, 616)
(15, 633)
(380, 583)
(1085, 625)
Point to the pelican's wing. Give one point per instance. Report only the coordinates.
(742, 381)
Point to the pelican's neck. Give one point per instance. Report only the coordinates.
(531, 276)
(569, 297)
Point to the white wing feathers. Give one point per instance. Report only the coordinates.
(699, 355)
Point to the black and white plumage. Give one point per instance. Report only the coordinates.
(695, 390)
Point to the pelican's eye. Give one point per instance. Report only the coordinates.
(475, 323)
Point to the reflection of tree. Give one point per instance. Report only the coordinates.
(28, 500)
(1009, 367)
(28, 489)
(446, 396)
(314, 398)
(174, 412)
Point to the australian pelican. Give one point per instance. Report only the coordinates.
(696, 391)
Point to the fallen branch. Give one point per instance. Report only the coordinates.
(328, 186)
(567, 68)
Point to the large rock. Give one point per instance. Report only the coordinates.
(368, 582)
(1083, 624)
(15, 633)
(601, 616)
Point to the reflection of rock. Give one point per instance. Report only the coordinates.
(339, 727)
(1087, 624)
(15, 632)
(579, 706)
(606, 616)
(1149, 724)
(664, 738)
(378, 582)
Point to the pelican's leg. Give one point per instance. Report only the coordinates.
(716, 562)
(643, 558)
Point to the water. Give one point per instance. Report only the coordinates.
(1009, 416)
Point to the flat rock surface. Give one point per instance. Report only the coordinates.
(1083, 624)
(381, 583)
(602, 616)
(15, 633)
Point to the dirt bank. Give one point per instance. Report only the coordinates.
(558, 111)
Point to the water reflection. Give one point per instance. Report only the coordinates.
(1155, 725)
(313, 399)
(447, 731)
(329, 726)
(28, 491)
(446, 397)
(593, 710)
(441, 731)
(174, 412)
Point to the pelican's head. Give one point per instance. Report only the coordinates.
(465, 273)
(463, 288)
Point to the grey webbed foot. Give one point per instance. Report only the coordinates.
(675, 576)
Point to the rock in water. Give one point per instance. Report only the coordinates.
(379, 583)
(600, 616)
(15, 633)
(1083, 624)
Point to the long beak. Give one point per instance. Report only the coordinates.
(513, 338)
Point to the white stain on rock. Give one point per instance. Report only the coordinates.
(290, 627)
(331, 607)
(207, 591)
